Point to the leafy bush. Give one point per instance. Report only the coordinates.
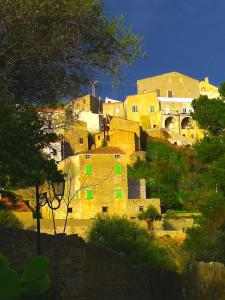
(34, 280)
(150, 213)
(206, 241)
(129, 238)
(8, 219)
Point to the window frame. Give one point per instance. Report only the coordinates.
(88, 170)
(134, 108)
(89, 194)
(118, 193)
(118, 170)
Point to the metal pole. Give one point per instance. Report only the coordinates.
(38, 220)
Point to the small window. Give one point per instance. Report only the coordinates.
(152, 108)
(107, 138)
(158, 93)
(170, 94)
(81, 140)
(134, 108)
(54, 152)
(154, 126)
(118, 169)
(141, 208)
(88, 156)
(70, 210)
(132, 218)
(89, 194)
(119, 193)
(88, 170)
(99, 137)
(117, 110)
(184, 110)
(117, 156)
(104, 209)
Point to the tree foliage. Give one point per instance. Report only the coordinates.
(128, 238)
(50, 49)
(23, 138)
(8, 219)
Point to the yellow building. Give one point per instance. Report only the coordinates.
(96, 182)
(163, 106)
(177, 85)
(113, 108)
(121, 133)
(87, 103)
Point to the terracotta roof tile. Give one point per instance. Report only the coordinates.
(16, 205)
(103, 150)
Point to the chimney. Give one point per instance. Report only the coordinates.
(207, 79)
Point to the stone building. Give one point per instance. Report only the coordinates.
(97, 182)
(163, 103)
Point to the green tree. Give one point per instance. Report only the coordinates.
(8, 219)
(52, 49)
(150, 215)
(23, 138)
(129, 238)
(206, 241)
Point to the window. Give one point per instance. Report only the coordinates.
(88, 156)
(184, 110)
(154, 126)
(104, 209)
(81, 140)
(117, 156)
(158, 93)
(89, 194)
(99, 137)
(141, 208)
(117, 110)
(170, 94)
(132, 218)
(70, 210)
(54, 152)
(88, 170)
(134, 108)
(107, 138)
(152, 108)
(118, 169)
(119, 193)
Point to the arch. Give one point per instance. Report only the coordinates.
(186, 123)
(170, 123)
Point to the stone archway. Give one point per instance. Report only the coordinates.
(170, 123)
(187, 123)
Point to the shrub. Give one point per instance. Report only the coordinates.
(127, 237)
(8, 219)
(150, 213)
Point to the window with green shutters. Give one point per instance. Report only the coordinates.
(118, 169)
(89, 194)
(119, 193)
(88, 170)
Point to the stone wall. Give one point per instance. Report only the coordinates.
(85, 272)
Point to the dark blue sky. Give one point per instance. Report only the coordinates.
(186, 36)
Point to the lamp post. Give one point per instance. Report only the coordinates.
(42, 200)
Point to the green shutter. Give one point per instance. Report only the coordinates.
(119, 193)
(88, 170)
(89, 194)
(118, 169)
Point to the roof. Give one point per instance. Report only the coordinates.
(103, 150)
(15, 205)
(169, 73)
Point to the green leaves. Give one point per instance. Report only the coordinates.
(33, 282)
(35, 269)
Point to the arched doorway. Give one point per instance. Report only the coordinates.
(170, 123)
(186, 123)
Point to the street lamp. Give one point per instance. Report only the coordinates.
(42, 199)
